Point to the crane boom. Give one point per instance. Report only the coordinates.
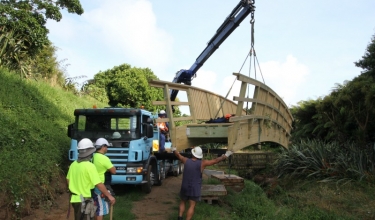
(238, 14)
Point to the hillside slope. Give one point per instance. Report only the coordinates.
(34, 145)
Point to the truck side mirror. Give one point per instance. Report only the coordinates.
(70, 130)
(150, 131)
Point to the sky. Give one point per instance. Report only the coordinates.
(304, 48)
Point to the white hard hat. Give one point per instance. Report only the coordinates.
(84, 144)
(85, 148)
(162, 112)
(116, 135)
(197, 152)
(100, 142)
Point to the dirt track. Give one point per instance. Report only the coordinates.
(157, 205)
(161, 202)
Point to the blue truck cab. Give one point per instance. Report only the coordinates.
(134, 139)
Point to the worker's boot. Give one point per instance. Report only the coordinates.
(180, 218)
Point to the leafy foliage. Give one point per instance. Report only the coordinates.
(367, 63)
(72, 85)
(252, 203)
(125, 86)
(347, 114)
(306, 121)
(46, 66)
(23, 33)
(327, 162)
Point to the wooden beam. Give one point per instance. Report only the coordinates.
(257, 101)
(254, 82)
(191, 107)
(172, 103)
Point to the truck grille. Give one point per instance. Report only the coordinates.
(118, 155)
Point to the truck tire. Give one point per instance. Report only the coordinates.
(160, 177)
(177, 171)
(146, 188)
(180, 167)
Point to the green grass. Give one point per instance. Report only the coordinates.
(253, 203)
(34, 145)
(125, 196)
(352, 200)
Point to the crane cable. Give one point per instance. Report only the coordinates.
(250, 54)
(255, 59)
(252, 46)
(256, 62)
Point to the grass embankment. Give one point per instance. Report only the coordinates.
(34, 145)
(287, 199)
(291, 199)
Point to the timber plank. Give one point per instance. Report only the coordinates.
(209, 199)
(213, 190)
(232, 181)
(228, 178)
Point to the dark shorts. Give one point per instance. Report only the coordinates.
(77, 212)
(194, 198)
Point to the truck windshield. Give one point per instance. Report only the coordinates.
(113, 127)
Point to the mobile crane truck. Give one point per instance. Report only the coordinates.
(134, 139)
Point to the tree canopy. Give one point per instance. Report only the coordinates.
(347, 113)
(125, 86)
(367, 63)
(23, 32)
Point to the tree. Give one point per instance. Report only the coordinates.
(47, 67)
(333, 117)
(367, 63)
(347, 114)
(23, 33)
(305, 121)
(125, 86)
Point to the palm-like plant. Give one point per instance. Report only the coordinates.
(327, 162)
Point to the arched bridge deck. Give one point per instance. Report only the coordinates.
(267, 120)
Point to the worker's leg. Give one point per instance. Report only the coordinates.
(77, 210)
(190, 211)
(182, 208)
(102, 206)
(162, 143)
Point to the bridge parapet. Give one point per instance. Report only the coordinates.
(268, 119)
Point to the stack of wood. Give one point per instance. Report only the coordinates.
(229, 180)
(212, 192)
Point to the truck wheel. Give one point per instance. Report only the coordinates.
(180, 167)
(160, 177)
(163, 173)
(177, 171)
(146, 188)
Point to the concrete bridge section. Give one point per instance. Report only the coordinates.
(267, 120)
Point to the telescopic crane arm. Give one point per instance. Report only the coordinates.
(238, 14)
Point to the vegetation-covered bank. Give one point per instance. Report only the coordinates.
(291, 198)
(284, 199)
(34, 143)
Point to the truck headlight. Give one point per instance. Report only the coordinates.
(134, 169)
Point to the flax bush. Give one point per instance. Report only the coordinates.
(327, 162)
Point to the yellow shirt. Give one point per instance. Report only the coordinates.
(102, 164)
(82, 178)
